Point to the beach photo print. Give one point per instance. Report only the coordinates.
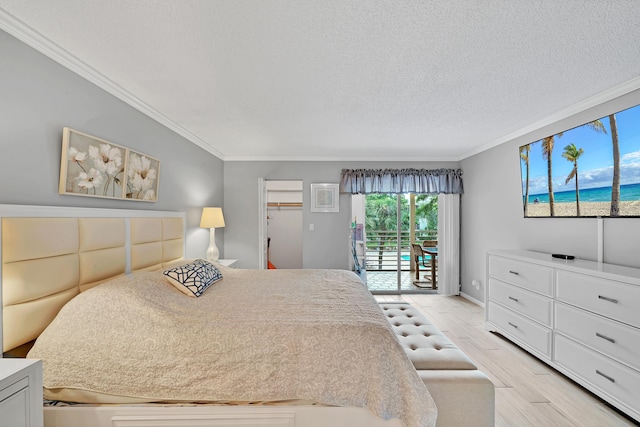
(592, 170)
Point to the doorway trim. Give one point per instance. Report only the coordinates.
(262, 224)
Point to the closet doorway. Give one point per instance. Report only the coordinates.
(284, 223)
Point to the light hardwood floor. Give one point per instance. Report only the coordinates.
(528, 392)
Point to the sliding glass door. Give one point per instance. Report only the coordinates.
(392, 223)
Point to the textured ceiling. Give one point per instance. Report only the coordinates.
(343, 79)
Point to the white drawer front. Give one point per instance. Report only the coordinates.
(537, 278)
(611, 377)
(617, 300)
(14, 404)
(530, 304)
(520, 328)
(612, 338)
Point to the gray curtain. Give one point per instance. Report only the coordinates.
(394, 181)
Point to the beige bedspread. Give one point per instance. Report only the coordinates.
(256, 336)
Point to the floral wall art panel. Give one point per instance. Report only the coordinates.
(91, 166)
(142, 177)
(94, 167)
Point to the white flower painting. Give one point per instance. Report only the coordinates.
(142, 177)
(97, 168)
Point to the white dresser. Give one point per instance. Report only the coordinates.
(580, 317)
(20, 393)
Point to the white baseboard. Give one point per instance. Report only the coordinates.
(472, 299)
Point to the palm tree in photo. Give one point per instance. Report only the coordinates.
(598, 127)
(572, 154)
(615, 184)
(524, 156)
(547, 152)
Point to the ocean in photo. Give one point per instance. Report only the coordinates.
(628, 192)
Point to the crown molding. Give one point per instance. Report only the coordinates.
(593, 101)
(31, 37)
(354, 158)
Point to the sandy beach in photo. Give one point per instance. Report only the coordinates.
(586, 209)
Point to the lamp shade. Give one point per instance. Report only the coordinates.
(212, 218)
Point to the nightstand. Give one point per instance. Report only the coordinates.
(21, 393)
(228, 262)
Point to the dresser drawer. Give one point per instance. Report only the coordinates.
(616, 300)
(616, 379)
(521, 329)
(535, 306)
(614, 339)
(534, 277)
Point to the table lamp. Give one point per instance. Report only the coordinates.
(212, 218)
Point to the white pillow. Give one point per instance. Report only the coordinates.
(194, 278)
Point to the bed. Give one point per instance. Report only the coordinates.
(259, 347)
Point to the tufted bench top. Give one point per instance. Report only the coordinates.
(426, 346)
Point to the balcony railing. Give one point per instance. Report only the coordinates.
(382, 248)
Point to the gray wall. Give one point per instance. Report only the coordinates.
(492, 212)
(325, 247)
(38, 97)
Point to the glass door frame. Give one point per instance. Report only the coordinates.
(412, 233)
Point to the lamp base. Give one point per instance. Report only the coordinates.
(212, 251)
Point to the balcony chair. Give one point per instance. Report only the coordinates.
(418, 253)
(433, 258)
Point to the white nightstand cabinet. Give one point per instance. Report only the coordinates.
(228, 262)
(580, 317)
(21, 393)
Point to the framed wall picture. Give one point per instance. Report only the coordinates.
(94, 167)
(325, 198)
(91, 166)
(142, 177)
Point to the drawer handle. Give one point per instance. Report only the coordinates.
(615, 301)
(513, 299)
(514, 272)
(604, 337)
(515, 326)
(606, 376)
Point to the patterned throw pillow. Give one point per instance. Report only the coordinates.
(193, 279)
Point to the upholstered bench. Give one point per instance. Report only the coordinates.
(464, 395)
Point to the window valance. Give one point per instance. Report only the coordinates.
(394, 181)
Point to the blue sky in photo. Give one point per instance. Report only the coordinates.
(595, 166)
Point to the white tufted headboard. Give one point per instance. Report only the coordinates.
(50, 254)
